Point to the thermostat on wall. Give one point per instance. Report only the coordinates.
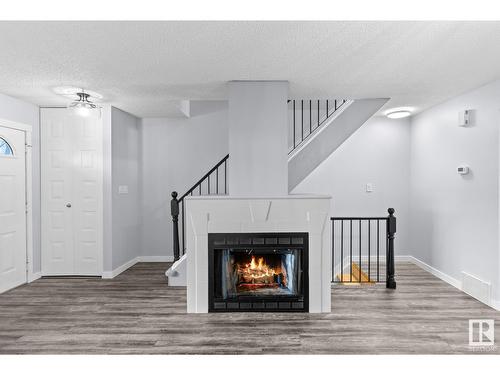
(463, 169)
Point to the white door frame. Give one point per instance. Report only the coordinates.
(100, 211)
(27, 129)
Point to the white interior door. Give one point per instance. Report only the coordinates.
(71, 170)
(12, 208)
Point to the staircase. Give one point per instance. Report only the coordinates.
(356, 276)
(316, 129)
(335, 130)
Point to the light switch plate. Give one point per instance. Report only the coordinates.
(123, 189)
(369, 187)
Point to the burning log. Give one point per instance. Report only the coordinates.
(257, 273)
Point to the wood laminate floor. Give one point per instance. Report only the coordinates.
(137, 313)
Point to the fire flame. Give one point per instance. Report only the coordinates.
(258, 269)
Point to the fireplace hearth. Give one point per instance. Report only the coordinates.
(258, 272)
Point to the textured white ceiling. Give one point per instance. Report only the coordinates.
(145, 67)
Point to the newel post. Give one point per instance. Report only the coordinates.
(174, 210)
(391, 230)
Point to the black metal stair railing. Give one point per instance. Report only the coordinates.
(209, 184)
(318, 113)
(307, 116)
(358, 238)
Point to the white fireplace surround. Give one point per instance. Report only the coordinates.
(226, 214)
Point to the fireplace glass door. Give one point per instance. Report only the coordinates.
(258, 272)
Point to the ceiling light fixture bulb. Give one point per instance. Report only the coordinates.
(83, 106)
(402, 113)
(82, 111)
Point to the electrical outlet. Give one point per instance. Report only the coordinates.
(123, 189)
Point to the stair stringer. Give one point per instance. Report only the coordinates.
(318, 149)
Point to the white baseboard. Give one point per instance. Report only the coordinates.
(450, 280)
(402, 258)
(495, 304)
(6, 288)
(156, 258)
(130, 263)
(119, 270)
(434, 271)
(30, 278)
(34, 276)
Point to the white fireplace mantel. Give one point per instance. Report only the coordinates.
(230, 214)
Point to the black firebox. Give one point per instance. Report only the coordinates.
(258, 272)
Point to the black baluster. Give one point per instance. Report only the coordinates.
(294, 124)
(333, 250)
(174, 211)
(183, 221)
(359, 250)
(318, 115)
(302, 120)
(369, 246)
(342, 250)
(350, 250)
(378, 250)
(310, 117)
(391, 230)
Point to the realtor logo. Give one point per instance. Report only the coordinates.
(481, 332)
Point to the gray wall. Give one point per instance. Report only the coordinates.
(378, 153)
(258, 142)
(454, 219)
(126, 170)
(176, 152)
(26, 113)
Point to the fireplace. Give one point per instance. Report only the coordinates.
(258, 272)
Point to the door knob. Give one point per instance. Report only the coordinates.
(68, 205)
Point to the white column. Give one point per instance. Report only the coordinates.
(258, 138)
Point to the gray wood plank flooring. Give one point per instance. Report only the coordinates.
(137, 313)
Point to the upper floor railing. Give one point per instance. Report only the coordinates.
(305, 117)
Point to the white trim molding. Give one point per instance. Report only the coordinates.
(118, 270)
(495, 304)
(34, 276)
(140, 259)
(434, 271)
(155, 258)
(447, 278)
(15, 125)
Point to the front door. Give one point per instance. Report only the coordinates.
(12, 208)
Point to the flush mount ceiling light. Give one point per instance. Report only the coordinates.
(83, 101)
(398, 113)
(83, 106)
